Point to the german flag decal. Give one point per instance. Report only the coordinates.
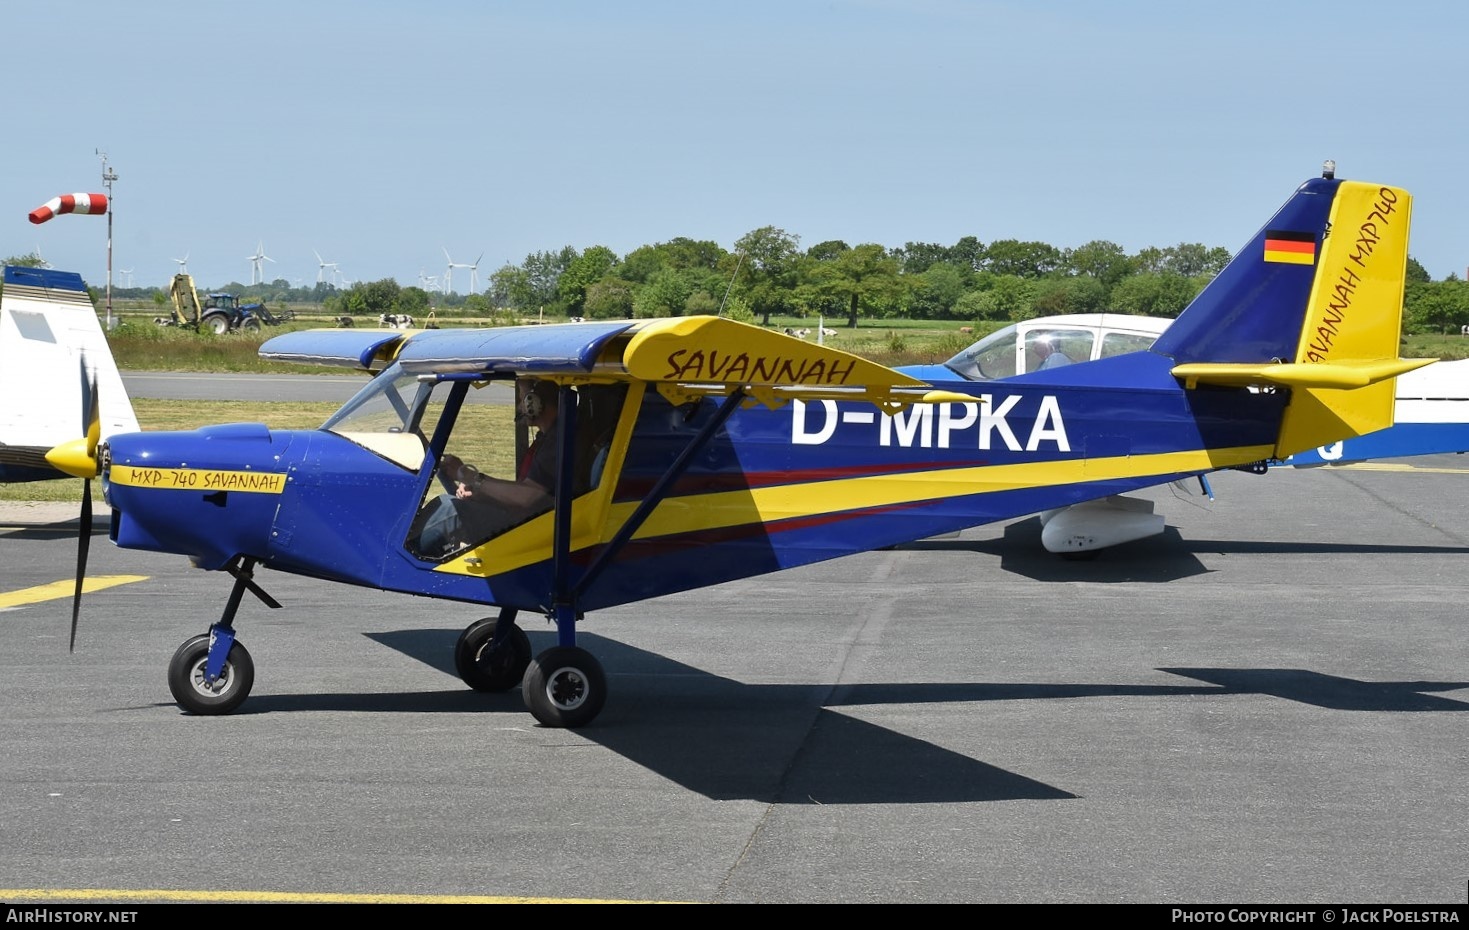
(1297, 248)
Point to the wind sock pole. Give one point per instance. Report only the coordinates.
(108, 176)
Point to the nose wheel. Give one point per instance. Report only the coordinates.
(198, 693)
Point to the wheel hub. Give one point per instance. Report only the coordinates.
(210, 688)
(567, 688)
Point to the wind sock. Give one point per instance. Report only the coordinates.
(70, 203)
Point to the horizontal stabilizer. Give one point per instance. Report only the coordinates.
(1341, 375)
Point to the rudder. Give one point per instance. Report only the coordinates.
(1354, 315)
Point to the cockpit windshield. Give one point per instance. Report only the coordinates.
(991, 357)
(387, 417)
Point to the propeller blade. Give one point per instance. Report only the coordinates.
(91, 409)
(84, 541)
(79, 456)
(92, 427)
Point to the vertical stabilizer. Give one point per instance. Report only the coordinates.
(48, 330)
(1313, 304)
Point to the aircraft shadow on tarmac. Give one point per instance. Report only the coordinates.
(784, 744)
(50, 532)
(1156, 559)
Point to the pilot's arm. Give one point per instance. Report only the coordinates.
(480, 488)
(473, 486)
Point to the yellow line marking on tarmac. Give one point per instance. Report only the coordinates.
(103, 895)
(57, 590)
(1398, 466)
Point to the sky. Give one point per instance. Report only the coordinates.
(380, 136)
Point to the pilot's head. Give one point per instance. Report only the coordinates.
(538, 404)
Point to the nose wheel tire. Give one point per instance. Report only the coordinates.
(210, 698)
(565, 687)
(489, 669)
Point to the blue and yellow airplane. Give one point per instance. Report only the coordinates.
(694, 451)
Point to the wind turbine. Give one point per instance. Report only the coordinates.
(42, 260)
(474, 275)
(449, 273)
(128, 272)
(322, 266)
(257, 264)
(183, 263)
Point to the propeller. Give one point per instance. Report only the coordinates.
(79, 457)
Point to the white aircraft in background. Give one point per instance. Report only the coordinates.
(1431, 414)
(54, 354)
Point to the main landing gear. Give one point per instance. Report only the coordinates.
(492, 659)
(564, 686)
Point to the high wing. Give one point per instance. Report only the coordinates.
(52, 351)
(686, 358)
(693, 451)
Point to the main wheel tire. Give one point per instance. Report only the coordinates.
(565, 687)
(224, 694)
(216, 323)
(486, 669)
(251, 325)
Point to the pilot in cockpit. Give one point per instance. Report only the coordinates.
(482, 505)
(1049, 355)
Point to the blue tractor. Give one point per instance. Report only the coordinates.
(223, 313)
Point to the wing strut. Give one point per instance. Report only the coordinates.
(563, 598)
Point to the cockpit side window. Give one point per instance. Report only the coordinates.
(487, 482)
(1123, 343)
(1049, 348)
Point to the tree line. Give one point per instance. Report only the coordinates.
(769, 274)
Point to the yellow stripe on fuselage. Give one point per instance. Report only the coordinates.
(700, 512)
(57, 590)
(792, 501)
(198, 479)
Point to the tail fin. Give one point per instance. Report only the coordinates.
(48, 327)
(1314, 303)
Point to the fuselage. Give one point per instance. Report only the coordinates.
(773, 488)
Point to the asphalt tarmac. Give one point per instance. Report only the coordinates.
(1264, 705)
